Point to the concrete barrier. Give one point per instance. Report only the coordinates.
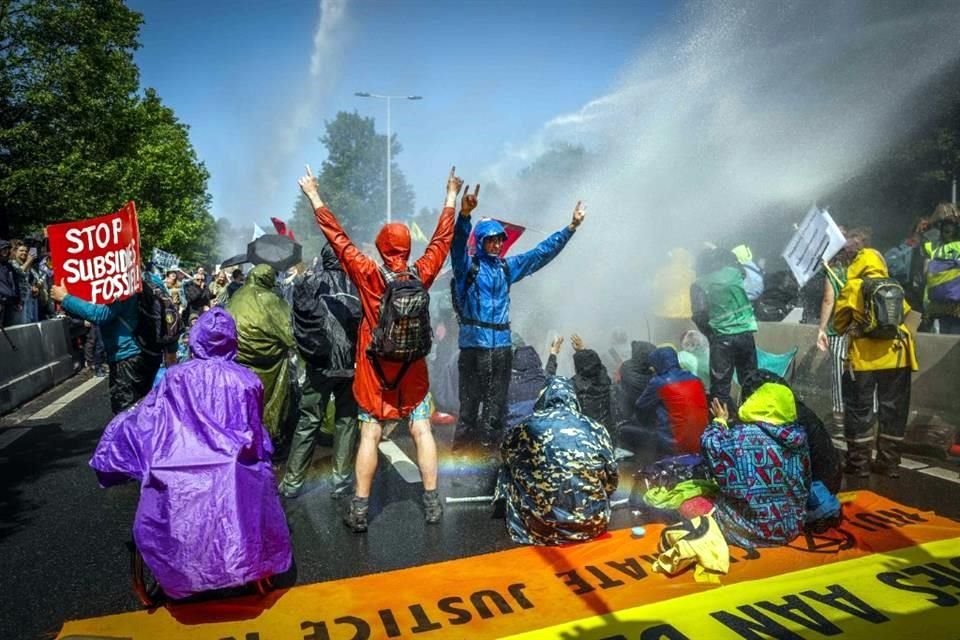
(934, 395)
(42, 359)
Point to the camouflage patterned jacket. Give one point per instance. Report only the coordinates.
(559, 472)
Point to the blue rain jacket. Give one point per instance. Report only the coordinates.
(487, 299)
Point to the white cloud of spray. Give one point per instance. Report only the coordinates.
(740, 110)
(282, 143)
(329, 42)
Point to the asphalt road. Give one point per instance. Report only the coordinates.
(63, 552)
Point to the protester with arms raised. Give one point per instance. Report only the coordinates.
(388, 391)
(482, 295)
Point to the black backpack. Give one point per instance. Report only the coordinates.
(159, 324)
(470, 280)
(403, 332)
(883, 308)
(320, 318)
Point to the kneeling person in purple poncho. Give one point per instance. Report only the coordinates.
(209, 515)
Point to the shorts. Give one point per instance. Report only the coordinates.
(420, 412)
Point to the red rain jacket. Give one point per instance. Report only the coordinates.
(393, 243)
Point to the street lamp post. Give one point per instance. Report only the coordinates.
(389, 99)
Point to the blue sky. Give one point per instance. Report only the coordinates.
(492, 73)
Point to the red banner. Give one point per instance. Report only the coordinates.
(99, 258)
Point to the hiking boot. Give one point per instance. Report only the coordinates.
(857, 470)
(432, 507)
(858, 459)
(356, 517)
(888, 457)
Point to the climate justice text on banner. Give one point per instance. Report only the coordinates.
(99, 258)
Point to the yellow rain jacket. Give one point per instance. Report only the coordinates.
(870, 354)
(671, 286)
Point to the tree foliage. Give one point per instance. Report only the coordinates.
(78, 139)
(353, 181)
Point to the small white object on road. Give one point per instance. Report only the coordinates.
(638, 532)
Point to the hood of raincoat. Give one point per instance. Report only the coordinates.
(664, 359)
(329, 259)
(487, 228)
(214, 336)
(771, 403)
(868, 263)
(393, 243)
(526, 358)
(263, 276)
(559, 393)
(640, 350)
(587, 363)
(635, 373)
(197, 445)
(694, 342)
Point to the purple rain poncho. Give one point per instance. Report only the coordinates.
(209, 515)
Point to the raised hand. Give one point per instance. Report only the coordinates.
(469, 201)
(577, 342)
(308, 184)
(454, 182)
(59, 291)
(555, 345)
(719, 410)
(579, 213)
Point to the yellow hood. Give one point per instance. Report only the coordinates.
(771, 403)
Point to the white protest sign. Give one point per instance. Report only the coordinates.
(818, 238)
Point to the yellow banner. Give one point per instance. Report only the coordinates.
(911, 593)
(888, 567)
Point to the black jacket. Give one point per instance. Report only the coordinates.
(591, 383)
(635, 375)
(326, 317)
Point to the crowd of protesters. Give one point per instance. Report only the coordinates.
(353, 331)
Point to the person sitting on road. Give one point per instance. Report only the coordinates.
(590, 379)
(209, 514)
(680, 402)
(558, 473)
(526, 382)
(761, 462)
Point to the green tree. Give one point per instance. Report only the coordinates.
(77, 139)
(353, 180)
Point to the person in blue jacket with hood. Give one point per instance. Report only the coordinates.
(481, 292)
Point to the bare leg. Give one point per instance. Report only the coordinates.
(426, 454)
(370, 433)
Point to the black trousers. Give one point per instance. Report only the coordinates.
(728, 353)
(131, 379)
(892, 387)
(484, 381)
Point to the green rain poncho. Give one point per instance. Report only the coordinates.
(265, 338)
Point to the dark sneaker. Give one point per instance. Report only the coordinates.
(356, 517)
(856, 470)
(432, 507)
